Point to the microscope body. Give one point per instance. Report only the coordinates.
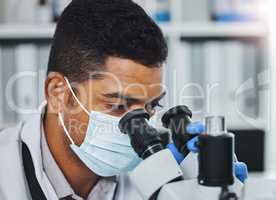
(189, 187)
(164, 169)
(252, 189)
(173, 181)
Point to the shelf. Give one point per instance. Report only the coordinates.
(195, 30)
(198, 30)
(16, 31)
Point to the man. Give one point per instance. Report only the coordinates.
(106, 59)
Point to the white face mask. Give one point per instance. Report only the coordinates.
(106, 150)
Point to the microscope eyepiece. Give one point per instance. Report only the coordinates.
(175, 112)
(215, 125)
(145, 139)
(129, 119)
(177, 119)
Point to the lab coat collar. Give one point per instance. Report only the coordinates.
(31, 136)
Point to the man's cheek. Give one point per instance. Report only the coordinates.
(77, 127)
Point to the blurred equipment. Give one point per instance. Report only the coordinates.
(233, 10)
(250, 148)
(159, 10)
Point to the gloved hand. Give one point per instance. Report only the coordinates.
(194, 128)
(241, 171)
(240, 168)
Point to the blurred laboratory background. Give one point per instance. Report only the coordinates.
(221, 62)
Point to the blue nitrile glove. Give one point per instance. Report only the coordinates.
(194, 128)
(176, 154)
(241, 171)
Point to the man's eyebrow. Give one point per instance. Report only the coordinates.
(131, 99)
(121, 96)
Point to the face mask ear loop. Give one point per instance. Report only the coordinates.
(65, 129)
(76, 98)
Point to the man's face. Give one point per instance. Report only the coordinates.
(123, 86)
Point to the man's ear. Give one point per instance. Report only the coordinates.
(55, 92)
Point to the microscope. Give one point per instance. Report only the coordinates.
(216, 148)
(160, 177)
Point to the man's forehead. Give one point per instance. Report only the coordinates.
(126, 88)
(129, 71)
(126, 78)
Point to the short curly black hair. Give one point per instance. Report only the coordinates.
(90, 31)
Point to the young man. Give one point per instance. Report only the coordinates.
(106, 59)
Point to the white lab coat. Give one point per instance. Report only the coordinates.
(13, 183)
